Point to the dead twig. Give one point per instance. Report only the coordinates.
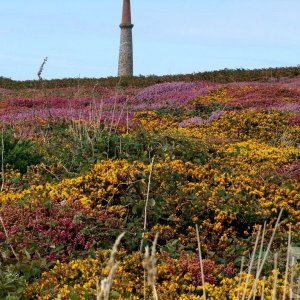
(106, 283)
(146, 203)
(201, 262)
(149, 265)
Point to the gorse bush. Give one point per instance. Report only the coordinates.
(19, 154)
(52, 231)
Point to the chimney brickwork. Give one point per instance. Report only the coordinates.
(126, 47)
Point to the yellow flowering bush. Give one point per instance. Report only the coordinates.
(97, 186)
(255, 157)
(78, 279)
(224, 204)
(266, 126)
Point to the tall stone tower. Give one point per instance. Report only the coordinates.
(126, 49)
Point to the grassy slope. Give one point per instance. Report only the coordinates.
(226, 158)
(221, 76)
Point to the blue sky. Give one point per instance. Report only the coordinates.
(81, 38)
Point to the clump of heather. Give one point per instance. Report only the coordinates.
(51, 101)
(261, 96)
(189, 265)
(290, 171)
(293, 82)
(67, 115)
(171, 94)
(115, 101)
(294, 120)
(53, 230)
(290, 107)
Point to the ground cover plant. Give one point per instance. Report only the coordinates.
(201, 175)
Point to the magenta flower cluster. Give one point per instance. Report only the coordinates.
(169, 95)
(67, 114)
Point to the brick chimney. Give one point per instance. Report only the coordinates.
(126, 49)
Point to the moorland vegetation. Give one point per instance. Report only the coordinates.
(206, 161)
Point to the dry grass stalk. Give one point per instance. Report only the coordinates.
(292, 276)
(113, 114)
(146, 203)
(275, 276)
(115, 250)
(121, 113)
(263, 288)
(287, 262)
(107, 282)
(90, 140)
(258, 263)
(240, 275)
(93, 93)
(270, 243)
(50, 172)
(261, 247)
(149, 265)
(98, 290)
(127, 120)
(99, 114)
(251, 264)
(258, 272)
(112, 266)
(255, 290)
(201, 262)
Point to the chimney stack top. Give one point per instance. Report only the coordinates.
(126, 15)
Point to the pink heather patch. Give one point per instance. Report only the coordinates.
(295, 120)
(291, 171)
(291, 82)
(171, 94)
(261, 96)
(66, 114)
(52, 101)
(290, 107)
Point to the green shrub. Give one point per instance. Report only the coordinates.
(78, 152)
(204, 110)
(19, 154)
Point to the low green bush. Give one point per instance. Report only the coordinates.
(17, 153)
(78, 152)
